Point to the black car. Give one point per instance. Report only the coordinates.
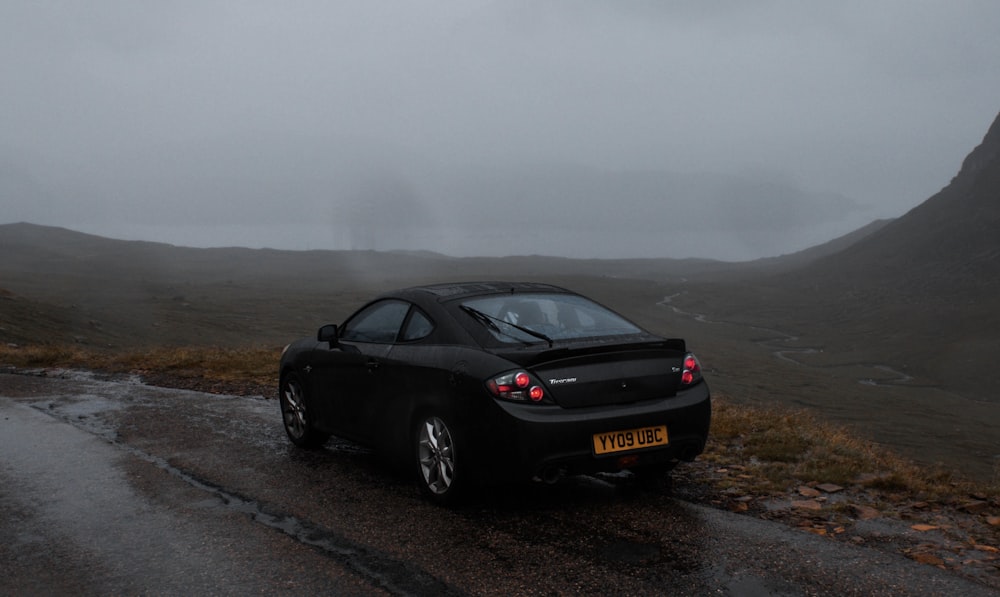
(474, 383)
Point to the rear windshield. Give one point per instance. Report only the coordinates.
(552, 316)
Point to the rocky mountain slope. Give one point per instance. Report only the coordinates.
(947, 244)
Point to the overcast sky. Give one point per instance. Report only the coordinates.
(724, 129)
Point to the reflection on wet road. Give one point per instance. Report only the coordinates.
(114, 487)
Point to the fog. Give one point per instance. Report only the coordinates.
(727, 130)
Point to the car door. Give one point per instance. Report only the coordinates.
(403, 376)
(350, 373)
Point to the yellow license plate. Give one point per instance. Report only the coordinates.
(631, 439)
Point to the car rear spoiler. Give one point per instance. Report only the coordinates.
(528, 356)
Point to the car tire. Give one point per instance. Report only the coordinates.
(295, 414)
(437, 460)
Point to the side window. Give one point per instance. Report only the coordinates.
(419, 326)
(377, 323)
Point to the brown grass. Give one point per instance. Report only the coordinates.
(785, 448)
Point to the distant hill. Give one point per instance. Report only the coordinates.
(802, 258)
(62, 285)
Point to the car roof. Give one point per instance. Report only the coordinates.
(457, 290)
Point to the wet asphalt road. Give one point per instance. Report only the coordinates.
(112, 487)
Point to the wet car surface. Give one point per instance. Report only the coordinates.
(115, 487)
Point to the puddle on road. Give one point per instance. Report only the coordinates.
(83, 406)
(87, 412)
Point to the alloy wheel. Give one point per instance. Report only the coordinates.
(293, 410)
(436, 455)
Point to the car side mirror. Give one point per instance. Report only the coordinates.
(328, 333)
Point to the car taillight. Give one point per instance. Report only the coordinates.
(692, 370)
(517, 386)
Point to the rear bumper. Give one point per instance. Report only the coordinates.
(534, 440)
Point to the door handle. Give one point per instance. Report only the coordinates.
(372, 364)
